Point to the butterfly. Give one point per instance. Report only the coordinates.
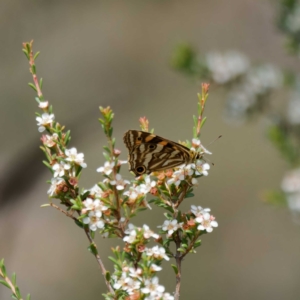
(149, 152)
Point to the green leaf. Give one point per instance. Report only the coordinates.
(106, 148)
(197, 243)
(14, 297)
(1, 263)
(92, 248)
(107, 276)
(18, 294)
(33, 69)
(5, 283)
(26, 53)
(79, 224)
(36, 55)
(114, 261)
(14, 279)
(277, 198)
(67, 137)
(28, 297)
(189, 195)
(175, 268)
(203, 122)
(47, 165)
(195, 120)
(28, 48)
(113, 141)
(32, 85)
(3, 269)
(181, 250)
(168, 216)
(93, 234)
(103, 186)
(106, 156)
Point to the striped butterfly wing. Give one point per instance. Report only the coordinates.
(149, 152)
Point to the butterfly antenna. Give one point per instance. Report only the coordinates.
(208, 160)
(214, 140)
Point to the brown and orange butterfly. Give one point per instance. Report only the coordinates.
(150, 153)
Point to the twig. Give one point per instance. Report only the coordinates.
(63, 211)
(178, 259)
(98, 258)
(7, 280)
(188, 249)
(32, 71)
(182, 195)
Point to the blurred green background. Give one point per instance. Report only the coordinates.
(118, 53)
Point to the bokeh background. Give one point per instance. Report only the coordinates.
(118, 53)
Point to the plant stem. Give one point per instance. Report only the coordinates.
(63, 211)
(12, 287)
(178, 275)
(99, 260)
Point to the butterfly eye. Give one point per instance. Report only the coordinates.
(140, 170)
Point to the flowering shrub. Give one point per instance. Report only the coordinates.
(250, 90)
(109, 206)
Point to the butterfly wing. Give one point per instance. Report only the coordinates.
(149, 152)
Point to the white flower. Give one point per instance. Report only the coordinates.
(201, 167)
(94, 205)
(119, 182)
(293, 109)
(96, 191)
(194, 181)
(227, 66)
(177, 177)
(239, 101)
(122, 281)
(293, 19)
(146, 187)
(207, 222)
(293, 201)
(107, 168)
(60, 168)
(50, 140)
(131, 237)
(44, 121)
(181, 174)
(157, 252)
(291, 186)
(43, 104)
(167, 296)
(135, 273)
(149, 233)
(264, 78)
(155, 268)
(99, 205)
(198, 211)
(291, 181)
(170, 226)
(89, 204)
(196, 143)
(77, 158)
(130, 228)
(132, 285)
(55, 182)
(94, 221)
(152, 287)
(133, 193)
